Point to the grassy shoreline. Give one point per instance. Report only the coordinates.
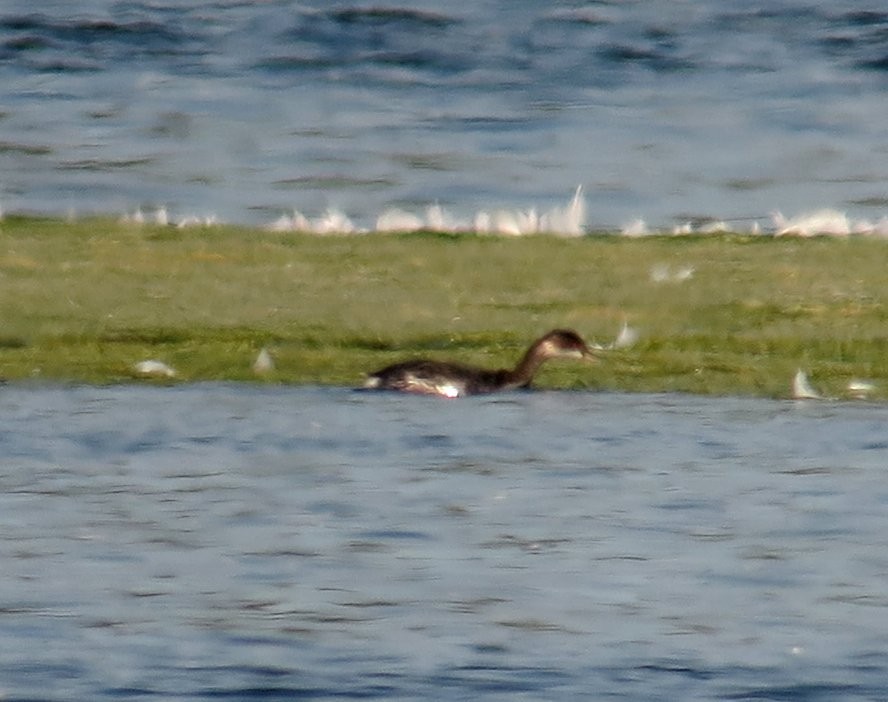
(83, 301)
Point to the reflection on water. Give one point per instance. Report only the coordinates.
(221, 541)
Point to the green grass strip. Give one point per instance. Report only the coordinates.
(84, 301)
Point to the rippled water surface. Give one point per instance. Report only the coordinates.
(664, 109)
(238, 542)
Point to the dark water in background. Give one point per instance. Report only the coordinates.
(210, 542)
(242, 110)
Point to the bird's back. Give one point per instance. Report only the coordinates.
(428, 377)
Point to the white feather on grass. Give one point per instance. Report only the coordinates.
(154, 369)
(663, 273)
(626, 337)
(820, 222)
(560, 221)
(635, 228)
(802, 389)
(264, 363)
(860, 389)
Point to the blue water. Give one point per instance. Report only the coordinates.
(667, 110)
(205, 542)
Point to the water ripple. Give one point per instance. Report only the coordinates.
(221, 541)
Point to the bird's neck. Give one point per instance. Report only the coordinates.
(527, 367)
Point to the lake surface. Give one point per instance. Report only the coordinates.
(667, 110)
(213, 541)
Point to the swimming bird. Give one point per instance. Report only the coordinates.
(430, 377)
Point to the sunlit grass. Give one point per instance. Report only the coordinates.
(84, 301)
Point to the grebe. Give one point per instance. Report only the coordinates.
(426, 377)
